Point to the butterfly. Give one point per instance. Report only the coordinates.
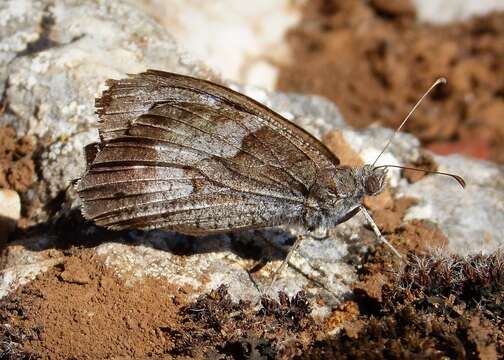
(191, 156)
(198, 158)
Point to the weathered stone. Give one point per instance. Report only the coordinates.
(246, 38)
(471, 218)
(10, 212)
(445, 11)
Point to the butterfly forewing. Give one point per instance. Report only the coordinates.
(195, 157)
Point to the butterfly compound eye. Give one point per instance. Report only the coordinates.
(373, 184)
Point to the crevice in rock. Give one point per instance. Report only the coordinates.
(44, 41)
(4, 99)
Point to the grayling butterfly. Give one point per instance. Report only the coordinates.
(188, 155)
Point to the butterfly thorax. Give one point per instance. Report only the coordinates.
(338, 192)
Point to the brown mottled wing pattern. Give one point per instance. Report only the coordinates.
(195, 157)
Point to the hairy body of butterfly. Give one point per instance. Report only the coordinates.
(192, 156)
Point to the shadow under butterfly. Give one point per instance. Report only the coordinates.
(191, 156)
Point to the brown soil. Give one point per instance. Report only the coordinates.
(375, 61)
(17, 169)
(431, 306)
(80, 309)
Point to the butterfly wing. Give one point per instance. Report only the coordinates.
(195, 157)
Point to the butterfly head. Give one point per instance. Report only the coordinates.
(373, 179)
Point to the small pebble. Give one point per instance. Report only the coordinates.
(10, 212)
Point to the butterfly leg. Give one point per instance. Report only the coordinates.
(377, 231)
(258, 265)
(281, 268)
(320, 233)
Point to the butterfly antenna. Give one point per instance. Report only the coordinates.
(459, 179)
(436, 83)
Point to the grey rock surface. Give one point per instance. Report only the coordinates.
(10, 212)
(50, 92)
(471, 219)
(445, 11)
(247, 38)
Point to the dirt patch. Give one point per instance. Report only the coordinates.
(80, 309)
(17, 169)
(375, 61)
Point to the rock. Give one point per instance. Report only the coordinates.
(247, 38)
(470, 217)
(435, 11)
(10, 212)
(10, 205)
(247, 41)
(14, 277)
